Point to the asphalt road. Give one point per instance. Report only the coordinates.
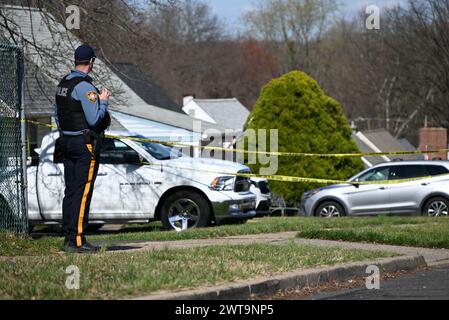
(424, 285)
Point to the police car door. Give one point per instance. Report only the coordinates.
(50, 184)
(134, 192)
(106, 201)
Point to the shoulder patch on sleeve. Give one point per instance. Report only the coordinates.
(92, 96)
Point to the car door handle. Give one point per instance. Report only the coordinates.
(102, 174)
(382, 188)
(55, 174)
(425, 183)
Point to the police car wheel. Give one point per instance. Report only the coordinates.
(184, 210)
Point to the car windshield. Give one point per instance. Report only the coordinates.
(159, 151)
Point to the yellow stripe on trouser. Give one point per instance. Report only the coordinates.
(84, 199)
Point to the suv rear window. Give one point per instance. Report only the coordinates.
(436, 170)
(408, 172)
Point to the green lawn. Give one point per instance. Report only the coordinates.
(266, 225)
(422, 231)
(11, 245)
(430, 235)
(117, 275)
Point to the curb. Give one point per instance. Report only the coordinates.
(292, 280)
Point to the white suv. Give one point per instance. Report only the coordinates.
(183, 192)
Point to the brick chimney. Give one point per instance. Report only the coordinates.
(433, 139)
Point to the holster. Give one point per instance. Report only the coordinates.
(58, 155)
(96, 140)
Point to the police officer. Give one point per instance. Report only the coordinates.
(82, 117)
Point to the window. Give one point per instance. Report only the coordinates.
(436, 170)
(377, 174)
(159, 151)
(116, 152)
(408, 172)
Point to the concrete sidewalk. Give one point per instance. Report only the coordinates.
(268, 238)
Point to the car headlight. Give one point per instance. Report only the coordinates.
(223, 183)
(310, 194)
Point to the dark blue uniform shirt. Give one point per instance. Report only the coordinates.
(86, 93)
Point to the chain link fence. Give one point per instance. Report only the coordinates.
(13, 210)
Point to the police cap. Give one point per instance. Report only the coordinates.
(84, 53)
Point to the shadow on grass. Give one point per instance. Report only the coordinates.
(121, 248)
(56, 231)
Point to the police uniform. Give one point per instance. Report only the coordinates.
(82, 119)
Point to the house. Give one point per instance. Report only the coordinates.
(228, 113)
(151, 93)
(49, 48)
(165, 121)
(382, 141)
(39, 104)
(433, 139)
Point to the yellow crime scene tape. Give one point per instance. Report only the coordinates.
(280, 178)
(281, 154)
(299, 179)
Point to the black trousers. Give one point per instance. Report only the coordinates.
(81, 164)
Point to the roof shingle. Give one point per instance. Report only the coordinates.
(387, 143)
(146, 89)
(39, 92)
(228, 113)
(384, 142)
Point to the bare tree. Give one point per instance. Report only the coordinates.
(429, 24)
(114, 28)
(296, 24)
(379, 75)
(188, 23)
(190, 58)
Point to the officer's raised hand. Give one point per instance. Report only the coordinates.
(104, 96)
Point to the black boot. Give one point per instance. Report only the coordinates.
(85, 248)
